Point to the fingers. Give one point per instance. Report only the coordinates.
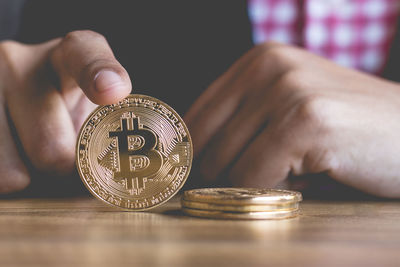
(13, 173)
(223, 106)
(247, 123)
(38, 111)
(209, 114)
(79, 110)
(237, 133)
(46, 119)
(266, 162)
(292, 143)
(44, 127)
(195, 117)
(227, 78)
(85, 58)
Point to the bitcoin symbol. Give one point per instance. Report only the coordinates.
(138, 158)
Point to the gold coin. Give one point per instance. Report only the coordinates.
(135, 154)
(238, 208)
(242, 196)
(214, 214)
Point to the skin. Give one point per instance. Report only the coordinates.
(46, 92)
(278, 111)
(281, 111)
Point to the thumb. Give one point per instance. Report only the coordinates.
(86, 57)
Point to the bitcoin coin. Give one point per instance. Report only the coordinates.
(238, 208)
(213, 214)
(135, 154)
(242, 196)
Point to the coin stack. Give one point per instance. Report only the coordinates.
(241, 203)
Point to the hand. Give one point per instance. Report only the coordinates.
(281, 111)
(46, 92)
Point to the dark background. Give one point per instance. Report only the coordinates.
(172, 50)
(161, 43)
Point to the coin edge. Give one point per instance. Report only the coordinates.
(238, 208)
(297, 197)
(114, 205)
(220, 215)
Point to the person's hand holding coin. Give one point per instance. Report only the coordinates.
(280, 110)
(46, 92)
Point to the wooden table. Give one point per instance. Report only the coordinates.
(85, 232)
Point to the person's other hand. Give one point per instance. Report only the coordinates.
(281, 111)
(46, 92)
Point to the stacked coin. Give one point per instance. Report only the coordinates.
(241, 203)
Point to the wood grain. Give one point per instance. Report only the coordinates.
(85, 232)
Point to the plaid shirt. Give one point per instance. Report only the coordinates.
(353, 33)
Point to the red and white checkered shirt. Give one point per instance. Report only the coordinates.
(353, 33)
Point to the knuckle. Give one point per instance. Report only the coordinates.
(291, 79)
(11, 50)
(82, 35)
(280, 55)
(290, 84)
(309, 115)
(13, 179)
(266, 46)
(8, 44)
(12, 55)
(284, 57)
(313, 109)
(321, 160)
(53, 155)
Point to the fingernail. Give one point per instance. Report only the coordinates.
(106, 80)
